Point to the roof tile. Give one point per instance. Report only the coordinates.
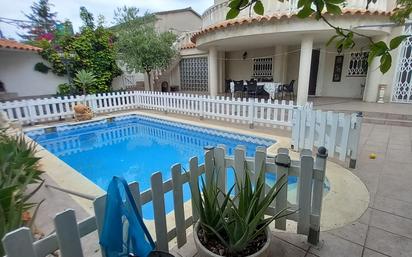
(11, 44)
(275, 16)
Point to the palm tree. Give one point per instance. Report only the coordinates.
(85, 79)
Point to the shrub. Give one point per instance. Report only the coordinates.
(236, 221)
(19, 168)
(63, 89)
(41, 67)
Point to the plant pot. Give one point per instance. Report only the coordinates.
(204, 252)
(82, 112)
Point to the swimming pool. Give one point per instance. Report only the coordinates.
(135, 146)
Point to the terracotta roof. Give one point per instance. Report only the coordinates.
(189, 45)
(274, 17)
(11, 44)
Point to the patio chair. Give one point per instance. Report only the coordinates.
(239, 87)
(124, 232)
(288, 89)
(251, 88)
(227, 86)
(261, 92)
(279, 93)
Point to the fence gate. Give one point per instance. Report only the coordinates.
(402, 86)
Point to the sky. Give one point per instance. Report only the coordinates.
(69, 9)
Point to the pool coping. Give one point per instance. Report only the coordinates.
(340, 206)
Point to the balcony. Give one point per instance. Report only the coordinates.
(217, 13)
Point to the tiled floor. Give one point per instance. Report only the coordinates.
(386, 227)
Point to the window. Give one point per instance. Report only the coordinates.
(262, 67)
(358, 64)
(194, 74)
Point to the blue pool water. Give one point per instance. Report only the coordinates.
(136, 146)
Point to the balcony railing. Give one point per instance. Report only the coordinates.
(217, 13)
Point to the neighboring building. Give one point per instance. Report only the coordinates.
(181, 22)
(281, 46)
(17, 74)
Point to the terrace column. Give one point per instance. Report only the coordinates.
(304, 69)
(279, 63)
(213, 71)
(375, 77)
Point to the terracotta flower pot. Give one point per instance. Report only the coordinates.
(82, 112)
(204, 252)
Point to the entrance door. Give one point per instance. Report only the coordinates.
(314, 72)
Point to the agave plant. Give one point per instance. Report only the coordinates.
(238, 220)
(84, 79)
(18, 169)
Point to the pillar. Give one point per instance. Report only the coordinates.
(304, 69)
(279, 63)
(374, 77)
(213, 72)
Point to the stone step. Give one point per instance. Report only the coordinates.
(384, 121)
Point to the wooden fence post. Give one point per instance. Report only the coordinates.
(202, 107)
(319, 179)
(295, 129)
(305, 191)
(354, 137)
(282, 162)
(219, 157)
(251, 112)
(68, 236)
(178, 205)
(19, 243)
(194, 185)
(159, 212)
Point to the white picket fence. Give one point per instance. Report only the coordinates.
(338, 132)
(248, 111)
(308, 201)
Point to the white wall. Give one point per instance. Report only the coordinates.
(18, 74)
(239, 69)
(178, 22)
(348, 86)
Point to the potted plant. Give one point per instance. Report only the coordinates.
(235, 224)
(85, 79)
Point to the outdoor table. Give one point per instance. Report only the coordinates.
(270, 87)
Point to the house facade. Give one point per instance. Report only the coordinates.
(283, 47)
(181, 22)
(17, 75)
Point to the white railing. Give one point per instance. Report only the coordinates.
(247, 111)
(338, 132)
(217, 13)
(307, 200)
(241, 110)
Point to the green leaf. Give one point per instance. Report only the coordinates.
(336, 2)
(305, 12)
(379, 48)
(396, 41)
(234, 4)
(232, 13)
(258, 8)
(386, 62)
(306, 3)
(333, 9)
